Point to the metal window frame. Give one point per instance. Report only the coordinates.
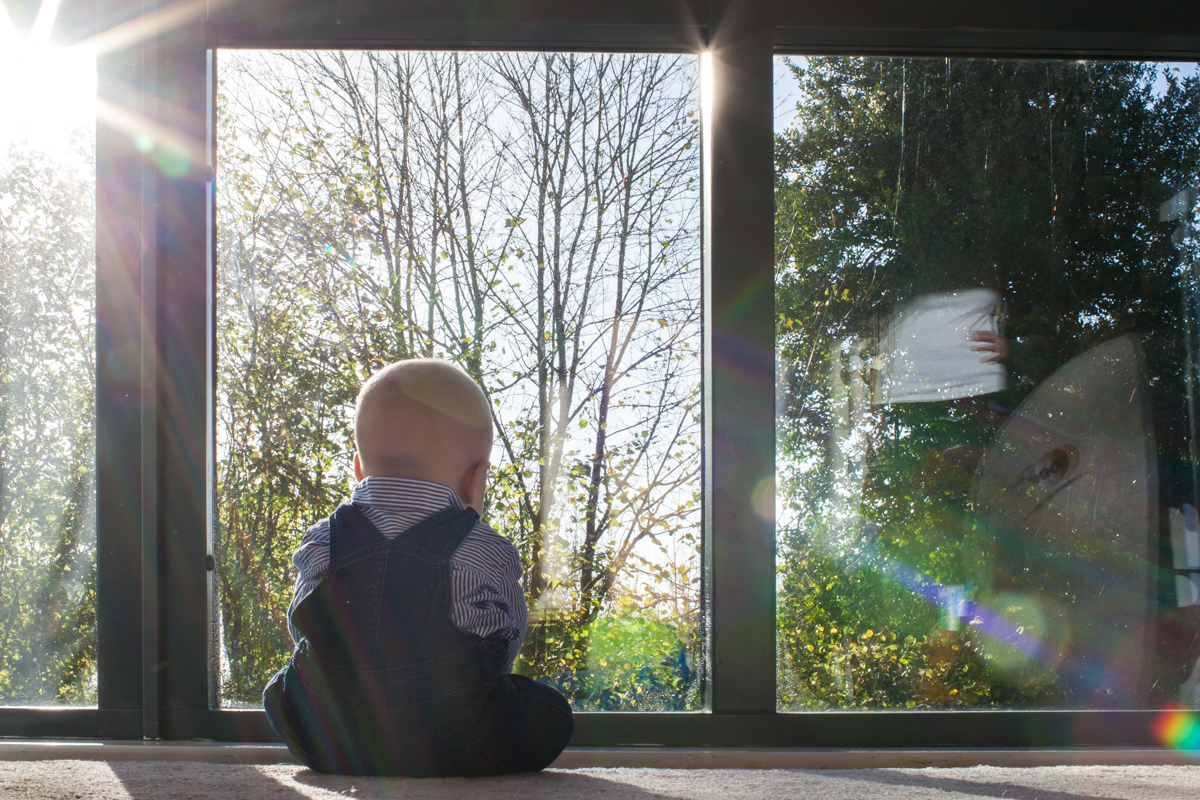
(155, 337)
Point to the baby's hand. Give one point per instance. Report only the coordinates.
(993, 344)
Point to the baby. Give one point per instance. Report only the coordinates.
(408, 610)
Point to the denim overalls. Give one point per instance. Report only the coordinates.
(383, 683)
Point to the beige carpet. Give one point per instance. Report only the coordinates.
(166, 780)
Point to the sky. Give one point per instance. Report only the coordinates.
(786, 94)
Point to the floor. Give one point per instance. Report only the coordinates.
(49, 770)
(188, 780)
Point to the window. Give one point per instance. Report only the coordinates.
(986, 318)
(47, 375)
(168, 337)
(532, 217)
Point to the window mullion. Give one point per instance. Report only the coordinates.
(182, 241)
(120, 395)
(740, 406)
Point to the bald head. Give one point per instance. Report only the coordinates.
(422, 418)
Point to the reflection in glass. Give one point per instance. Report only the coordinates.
(1065, 502)
(930, 349)
(986, 343)
(535, 219)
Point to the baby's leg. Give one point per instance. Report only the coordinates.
(295, 727)
(525, 726)
(277, 715)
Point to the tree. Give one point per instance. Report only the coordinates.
(47, 429)
(533, 217)
(904, 177)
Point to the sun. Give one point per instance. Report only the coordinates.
(47, 92)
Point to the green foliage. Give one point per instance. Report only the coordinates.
(902, 177)
(636, 664)
(623, 663)
(47, 428)
(850, 636)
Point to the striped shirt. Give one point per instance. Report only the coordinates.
(485, 570)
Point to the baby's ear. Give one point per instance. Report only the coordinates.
(474, 486)
(358, 470)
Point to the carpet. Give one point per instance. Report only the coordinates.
(167, 780)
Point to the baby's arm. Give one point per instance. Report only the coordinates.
(488, 596)
(311, 559)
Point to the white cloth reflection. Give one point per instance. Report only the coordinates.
(927, 354)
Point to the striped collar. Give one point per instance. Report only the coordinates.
(398, 495)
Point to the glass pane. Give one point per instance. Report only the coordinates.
(532, 217)
(986, 342)
(47, 373)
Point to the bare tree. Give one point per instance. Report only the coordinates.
(533, 217)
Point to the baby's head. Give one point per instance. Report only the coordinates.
(426, 419)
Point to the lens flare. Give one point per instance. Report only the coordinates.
(1179, 729)
(763, 499)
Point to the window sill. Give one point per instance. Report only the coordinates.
(631, 757)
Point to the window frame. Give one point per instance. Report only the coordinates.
(156, 334)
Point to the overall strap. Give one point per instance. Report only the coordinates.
(349, 532)
(440, 534)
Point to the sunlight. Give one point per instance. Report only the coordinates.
(53, 92)
(147, 26)
(55, 95)
(43, 23)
